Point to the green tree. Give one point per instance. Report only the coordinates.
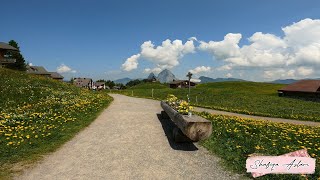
(110, 84)
(20, 63)
(134, 82)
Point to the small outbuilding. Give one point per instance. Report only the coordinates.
(181, 84)
(302, 88)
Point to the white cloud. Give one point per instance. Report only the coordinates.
(225, 67)
(30, 64)
(229, 75)
(193, 39)
(154, 70)
(291, 73)
(297, 49)
(265, 50)
(131, 63)
(200, 69)
(274, 73)
(281, 73)
(223, 49)
(167, 55)
(65, 69)
(304, 71)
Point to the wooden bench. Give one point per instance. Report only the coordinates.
(194, 128)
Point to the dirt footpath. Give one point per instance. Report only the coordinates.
(128, 141)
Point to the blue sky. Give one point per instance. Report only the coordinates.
(94, 38)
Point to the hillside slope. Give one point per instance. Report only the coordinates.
(37, 115)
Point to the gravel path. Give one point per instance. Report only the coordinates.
(281, 120)
(128, 141)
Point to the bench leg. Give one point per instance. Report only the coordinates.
(179, 137)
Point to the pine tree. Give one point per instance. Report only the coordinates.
(20, 63)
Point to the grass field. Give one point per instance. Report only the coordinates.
(37, 115)
(235, 138)
(241, 97)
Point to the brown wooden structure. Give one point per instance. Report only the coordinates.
(194, 128)
(302, 88)
(5, 50)
(181, 84)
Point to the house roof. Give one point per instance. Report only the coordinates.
(82, 81)
(7, 47)
(37, 70)
(178, 81)
(181, 81)
(99, 83)
(55, 75)
(303, 86)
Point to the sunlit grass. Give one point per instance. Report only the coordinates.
(235, 138)
(241, 97)
(37, 115)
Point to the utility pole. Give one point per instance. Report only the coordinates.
(189, 75)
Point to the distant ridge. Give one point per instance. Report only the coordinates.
(290, 81)
(123, 81)
(166, 76)
(284, 81)
(205, 79)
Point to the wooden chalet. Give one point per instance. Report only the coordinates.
(56, 76)
(38, 70)
(83, 82)
(181, 84)
(303, 88)
(5, 50)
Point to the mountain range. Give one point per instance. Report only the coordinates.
(123, 81)
(288, 81)
(205, 79)
(284, 81)
(166, 76)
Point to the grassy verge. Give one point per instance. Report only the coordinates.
(38, 115)
(234, 138)
(251, 98)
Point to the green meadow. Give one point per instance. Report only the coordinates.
(251, 98)
(37, 115)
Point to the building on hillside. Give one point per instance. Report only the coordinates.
(99, 85)
(38, 70)
(56, 76)
(5, 50)
(181, 84)
(83, 82)
(302, 88)
(116, 87)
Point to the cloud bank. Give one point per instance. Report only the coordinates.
(167, 55)
(295, 54)
(200, 69)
